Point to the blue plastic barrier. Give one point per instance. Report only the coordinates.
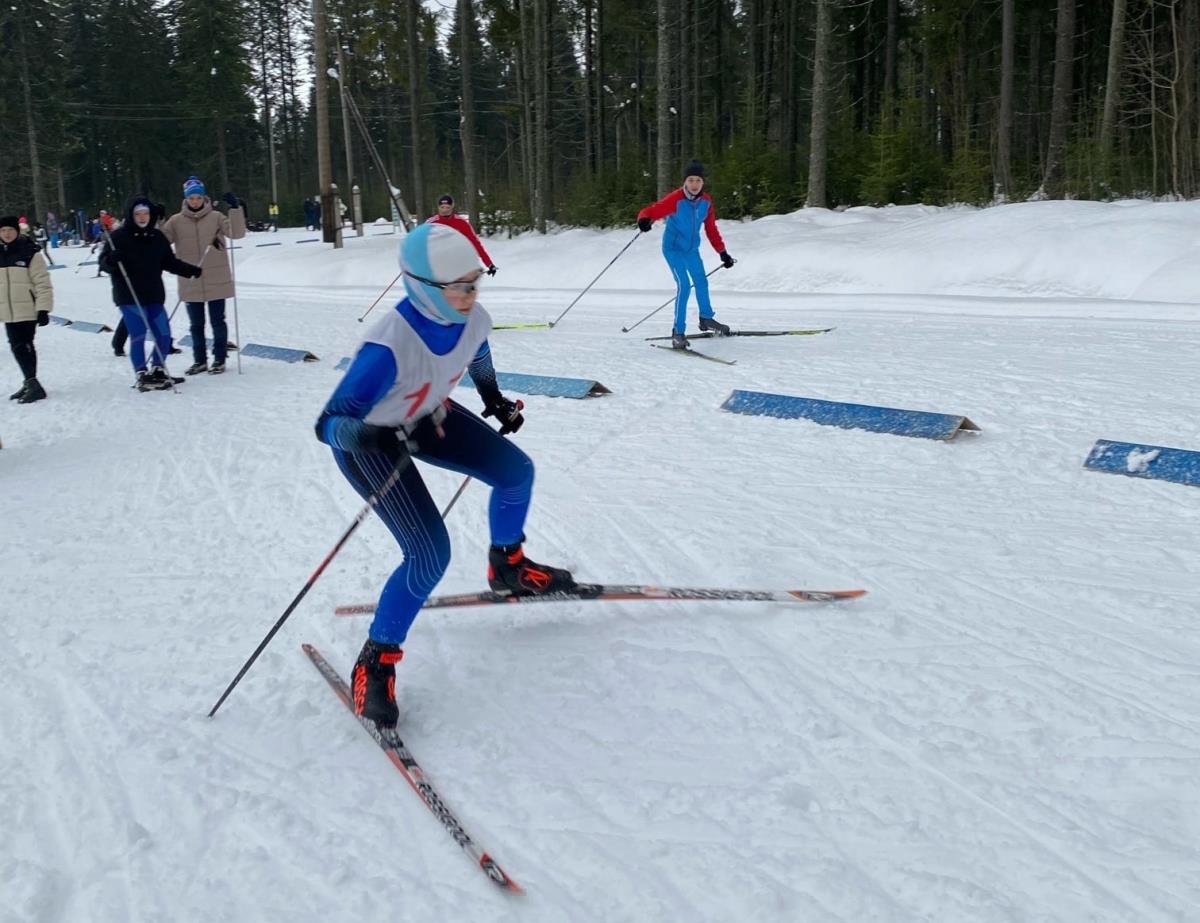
(61, 321)
(274, 243)
(282, 353)
(916, 423)
(85, 326)
(343, 364)
(546, 385)
(1156, 462)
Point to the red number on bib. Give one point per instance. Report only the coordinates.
(418, 397)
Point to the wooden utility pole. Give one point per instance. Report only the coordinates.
(331, 221)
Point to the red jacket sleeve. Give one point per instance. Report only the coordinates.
(710, 227)
(663, 207)
(464, 228)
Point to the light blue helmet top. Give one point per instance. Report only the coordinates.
(436, 253)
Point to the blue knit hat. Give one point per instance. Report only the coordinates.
(193, 186)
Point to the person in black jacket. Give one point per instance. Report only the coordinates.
(135, 256)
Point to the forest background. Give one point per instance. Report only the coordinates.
(542, 112)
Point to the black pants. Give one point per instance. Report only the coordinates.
(120, 335)
(20, 339)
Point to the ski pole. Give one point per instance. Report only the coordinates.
(141, 311)
(372, 501)
(236, 332)
(380, 298)
(664, 304)
(595, 280)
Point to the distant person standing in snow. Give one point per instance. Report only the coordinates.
(26, 300)
(393, 406)
(195, 228)
(686, 210)
(446, 216)
(135, 256)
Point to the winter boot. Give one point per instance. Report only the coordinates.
(711, 323)
(197, 369)
(679, 341)
(373, 683)
(33, 392)
(510, 571)
(217, 368)
(20, 392)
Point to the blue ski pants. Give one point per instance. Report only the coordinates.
(156, 314)
(470, 447)
(688, 270)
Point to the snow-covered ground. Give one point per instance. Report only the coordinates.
(1006, 729)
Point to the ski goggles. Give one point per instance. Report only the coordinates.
(462, 288)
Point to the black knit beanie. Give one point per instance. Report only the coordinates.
(695, 168)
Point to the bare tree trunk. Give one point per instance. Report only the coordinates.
(819, 132)
(1112, 90)
(466, 31)
(684, 135)
(1054, 180)
(662, 98)
(589, 130)
(542, 8)
(35, 164)
(600, 146)
(525, 92)
(890, 49)
(411, 10)
(1004, 127)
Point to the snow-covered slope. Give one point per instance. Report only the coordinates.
(1006, 729)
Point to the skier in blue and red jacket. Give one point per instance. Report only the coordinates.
(686, 209)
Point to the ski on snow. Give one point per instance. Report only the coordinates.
(692, 352)
(621, 592)
(391, 744)
(519, 326)
(709, 335)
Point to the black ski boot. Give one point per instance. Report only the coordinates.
(197, 368)
(33, 392)
(679, 341)
(714, 325)
(147, 382)
(510, 571)
(373, 683)
(159, 376)
(20, 392)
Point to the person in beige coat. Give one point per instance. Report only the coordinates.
(201, 236)
(26, 300)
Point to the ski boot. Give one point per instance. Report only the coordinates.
(196, 368)
(679, 341)
(373, 683)
(714, 325)
(33, 392)
(146, 382)
(509, 571)
(217, 367)
(20, 392)
(159, 376)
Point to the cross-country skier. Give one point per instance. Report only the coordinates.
(141, 250)
(446, 216)
(686, 209)
(395, 403)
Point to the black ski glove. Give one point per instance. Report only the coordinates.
(43, 318)
(506, 411)
(726, 260)
(232, 201)
(491, 270)
(193, 272)
(157, 213)
(645, 224)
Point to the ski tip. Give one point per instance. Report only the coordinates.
(498, 875)
(826, 595)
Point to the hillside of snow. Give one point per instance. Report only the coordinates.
(1007, 728)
